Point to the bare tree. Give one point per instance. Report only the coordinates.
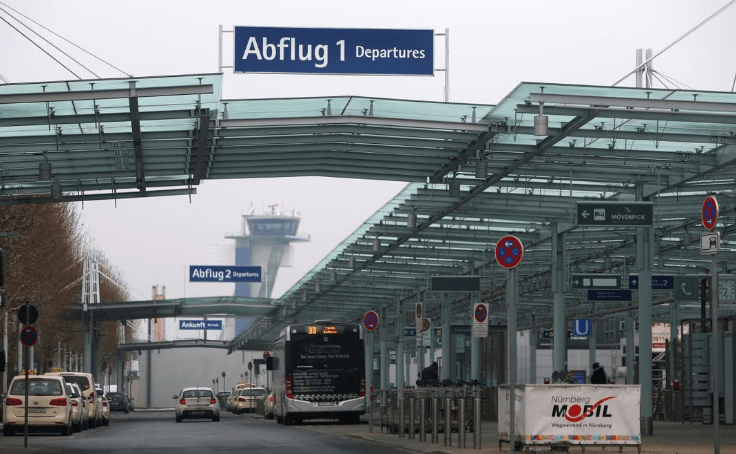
(43, 266)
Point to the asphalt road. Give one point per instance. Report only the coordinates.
(143, 432)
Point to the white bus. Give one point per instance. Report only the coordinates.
(319, 372)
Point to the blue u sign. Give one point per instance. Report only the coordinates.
(334, 51)
(581, 327)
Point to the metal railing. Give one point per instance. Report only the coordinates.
(433, 411)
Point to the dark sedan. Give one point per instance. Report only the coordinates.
(119, 402)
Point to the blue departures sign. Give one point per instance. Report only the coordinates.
(334, 51)
(200, 324)
(206, 273)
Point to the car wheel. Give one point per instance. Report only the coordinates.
(126, 411)
(8, 431)
(106, 422)
(178, 418)
(66, 430)
(216, 418)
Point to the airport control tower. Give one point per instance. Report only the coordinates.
(266, 242)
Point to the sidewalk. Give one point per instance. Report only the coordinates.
(668, 438)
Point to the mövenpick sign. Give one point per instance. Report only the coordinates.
(565, 414)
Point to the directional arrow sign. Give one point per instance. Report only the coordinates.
(658, 282)
(621, 214)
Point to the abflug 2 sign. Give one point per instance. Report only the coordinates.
(334, 51)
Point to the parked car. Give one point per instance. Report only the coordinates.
(87, 384)
(230, 403)
(105, 406)
(85, 405)
(222, 398)
(49, 405)
(119, 402)
(247, 400)
(197, 402)
(79, 407)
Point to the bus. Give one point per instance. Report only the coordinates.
(319, 373)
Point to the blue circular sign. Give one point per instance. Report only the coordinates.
(710, 212)
(509, 251)
(370, 320)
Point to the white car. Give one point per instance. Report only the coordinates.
(197, 402)
(79, 407)
(49, 405)
(86, 383)
(105, 406)
(247, 400)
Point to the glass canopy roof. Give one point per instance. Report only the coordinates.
(474, 173)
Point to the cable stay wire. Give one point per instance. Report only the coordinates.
(6, 81)
(656, 76)
(673, 81)
(52, 45)
(675, 42)
(42, 49)
(62, 38)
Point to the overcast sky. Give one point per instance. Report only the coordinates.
(493, 47)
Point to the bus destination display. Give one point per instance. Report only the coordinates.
(322, 330)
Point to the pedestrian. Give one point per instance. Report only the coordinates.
(599, 375)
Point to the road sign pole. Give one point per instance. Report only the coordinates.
(511, 336)
(25, 411)
(591, 338)
(716, 348)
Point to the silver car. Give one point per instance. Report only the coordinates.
(197, 402)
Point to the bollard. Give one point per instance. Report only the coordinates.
(461, 423)
(422, 419)
(435, 415)
(411, 418)
(401, 416)
(448, 420)
(476, 420)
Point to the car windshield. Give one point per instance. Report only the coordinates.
(71, 391)
(197, 393)
(81, 381)
(37, 387)
(115, 396)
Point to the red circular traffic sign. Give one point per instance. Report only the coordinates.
(481, 312)
(266, 354)
(28, 336)
(709, 213)
(509, 251)
(370, 320)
